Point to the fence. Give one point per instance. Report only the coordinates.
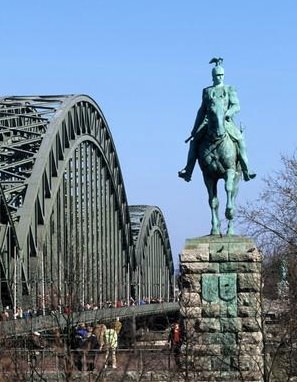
(34, 364)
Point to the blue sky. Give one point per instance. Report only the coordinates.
(145, 64)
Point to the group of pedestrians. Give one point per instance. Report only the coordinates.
(93, 340)
(90, 341)
(9, 313)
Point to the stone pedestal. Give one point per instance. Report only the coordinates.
(220, 303)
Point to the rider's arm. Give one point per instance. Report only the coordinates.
(233, 106)
(200, 115)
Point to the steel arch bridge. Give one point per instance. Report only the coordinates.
(153, 260)
(65, 225)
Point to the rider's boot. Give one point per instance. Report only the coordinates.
(244, 164)
(248, 176)
(186, 173)
(245, 172)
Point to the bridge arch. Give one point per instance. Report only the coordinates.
(64, 192)
(65, 224)
(154, 269)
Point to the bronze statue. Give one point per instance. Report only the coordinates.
(218, 145)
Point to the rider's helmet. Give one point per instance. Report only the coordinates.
(218, 68)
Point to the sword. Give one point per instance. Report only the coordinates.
(188, 139)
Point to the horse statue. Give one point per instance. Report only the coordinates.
(219, 146)
(218, 159)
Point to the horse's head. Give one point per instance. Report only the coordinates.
(216, 117)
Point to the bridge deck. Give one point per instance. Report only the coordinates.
(60, 320)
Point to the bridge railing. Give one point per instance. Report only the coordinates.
(36, 362)
(60, 320)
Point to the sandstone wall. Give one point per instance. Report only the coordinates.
(220, 303)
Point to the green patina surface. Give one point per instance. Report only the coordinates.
(222, 290)
(216, 241)
(210, 288)
(219, 145)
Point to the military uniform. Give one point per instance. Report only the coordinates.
(231, 106)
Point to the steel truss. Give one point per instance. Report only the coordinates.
(65, 233)
(154, 266)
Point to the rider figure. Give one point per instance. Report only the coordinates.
(228, 93)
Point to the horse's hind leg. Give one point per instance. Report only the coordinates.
(213, 201)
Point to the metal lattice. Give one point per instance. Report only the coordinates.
(65, 235)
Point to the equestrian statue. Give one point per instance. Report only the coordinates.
(219, 146)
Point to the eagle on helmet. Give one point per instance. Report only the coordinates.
(218, 68)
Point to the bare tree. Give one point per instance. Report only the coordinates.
(272, 221)
(272, 218)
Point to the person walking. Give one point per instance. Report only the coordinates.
(175, 340)
(111, 344)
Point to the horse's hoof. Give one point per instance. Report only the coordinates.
(230, 232)
(214, 232)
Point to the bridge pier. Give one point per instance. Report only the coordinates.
(221, 305)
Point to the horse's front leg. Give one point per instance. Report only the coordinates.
(231, 191)
(213, 201)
